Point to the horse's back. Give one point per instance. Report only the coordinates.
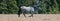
(28, 8)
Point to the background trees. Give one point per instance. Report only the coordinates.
(48, 6)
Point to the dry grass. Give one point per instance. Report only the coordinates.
(37, 17)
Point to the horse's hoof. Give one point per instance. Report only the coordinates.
(18, 16)
(24, 16)
(30, 16)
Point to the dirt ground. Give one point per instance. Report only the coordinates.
(36, 17)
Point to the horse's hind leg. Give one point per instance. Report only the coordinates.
(18, 15)
(19, 12)
(24, 14)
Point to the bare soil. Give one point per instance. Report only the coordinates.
(36, 17)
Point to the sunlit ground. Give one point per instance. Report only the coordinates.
(36, 17)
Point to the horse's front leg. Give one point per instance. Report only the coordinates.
(31, 14)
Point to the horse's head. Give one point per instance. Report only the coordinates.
(37, 7)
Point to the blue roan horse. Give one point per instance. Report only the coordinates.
(29, 9)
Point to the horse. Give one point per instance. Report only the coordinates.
(31, 9)
(28, 9)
